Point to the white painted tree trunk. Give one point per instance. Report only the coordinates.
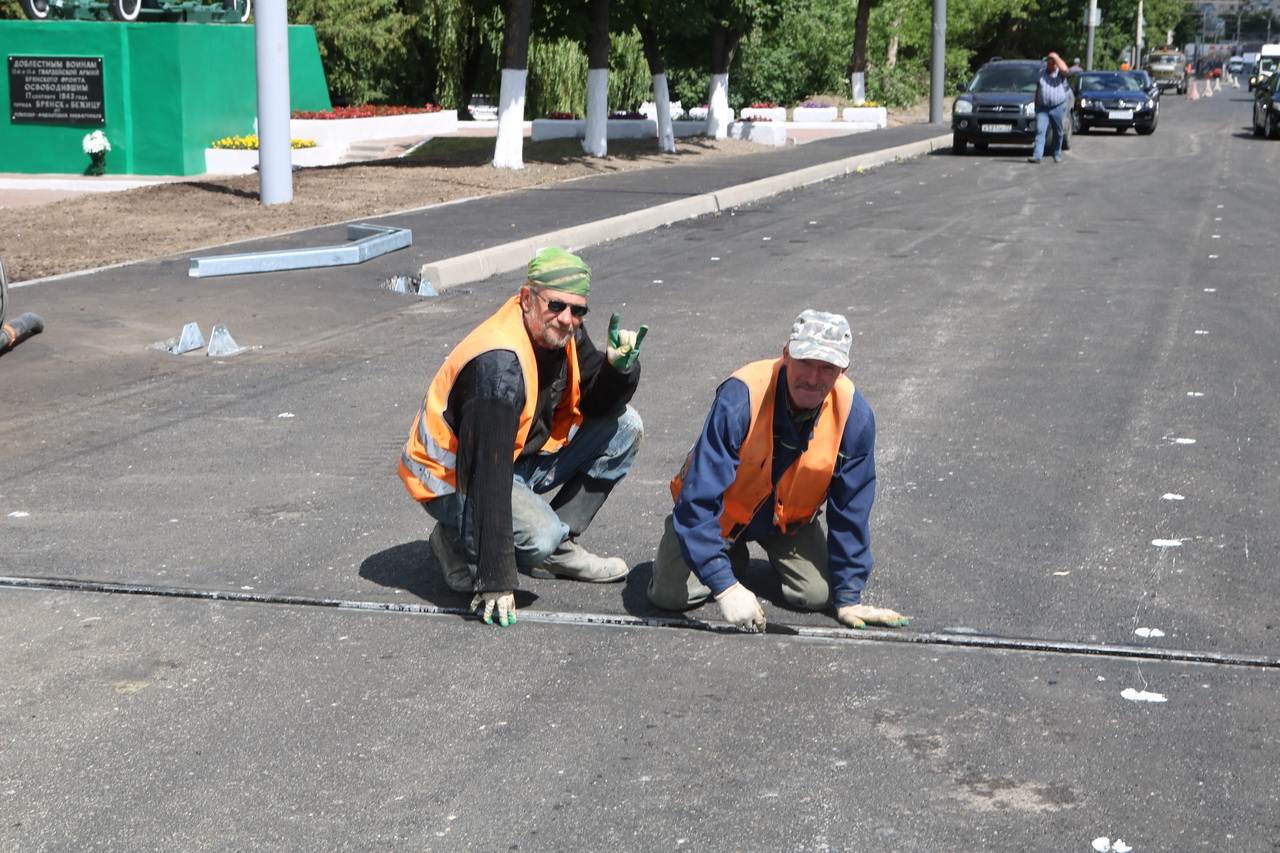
(662, 101)
(858, 81)
(718, 115)
(596, 140)
(508, 152)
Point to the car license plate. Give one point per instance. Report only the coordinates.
(997, 128)
(1120, 115)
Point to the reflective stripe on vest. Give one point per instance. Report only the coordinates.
(428, 465)
(802, 489)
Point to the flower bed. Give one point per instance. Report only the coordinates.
(339, 129)
(239, 161)
(363, 111)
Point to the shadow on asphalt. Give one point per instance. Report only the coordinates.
(412, 567)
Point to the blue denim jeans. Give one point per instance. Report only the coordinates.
(602, 449)
(1044, 118)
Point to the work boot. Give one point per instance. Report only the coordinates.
(452, 558)
(574, 562)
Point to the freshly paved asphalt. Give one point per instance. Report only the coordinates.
(1029, 337)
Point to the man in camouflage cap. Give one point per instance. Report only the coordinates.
(525, 405)
(785, 437)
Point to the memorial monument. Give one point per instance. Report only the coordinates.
(159, 92)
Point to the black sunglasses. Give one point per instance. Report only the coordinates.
(556, 306)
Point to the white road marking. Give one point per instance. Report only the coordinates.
(1213, 257)
(1211, 290)
(1195, 393)
(1142, 695)
(1148, 632)
(19, 514)
(1171, 496)
(1202, 331)
(1167, 543)
(285, 415)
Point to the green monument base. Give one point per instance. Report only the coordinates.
(160, 92)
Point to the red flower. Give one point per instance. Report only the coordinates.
(367, 111)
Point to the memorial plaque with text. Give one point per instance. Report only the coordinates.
(56, 90)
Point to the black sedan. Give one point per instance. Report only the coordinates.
(1266, 108)
(1111, 99)
(1148, 85)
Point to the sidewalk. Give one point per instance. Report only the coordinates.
(458, 229)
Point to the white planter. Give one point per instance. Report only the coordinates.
(344, 131)
(618, 128)
(227, 161)
(814, 114)
(759, 132)
(772, 113)
(650, 110)
(698, 113)
(867, 118)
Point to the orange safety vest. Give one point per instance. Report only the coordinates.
(429, 464)
(802, 490)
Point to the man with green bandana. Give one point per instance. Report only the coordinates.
(524, 406)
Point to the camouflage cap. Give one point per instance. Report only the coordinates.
(556, 269)
(817, 334)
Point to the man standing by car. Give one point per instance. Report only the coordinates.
(1051, 106)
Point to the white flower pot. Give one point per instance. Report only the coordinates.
(771, 113)
(814, 114)
(867, 118)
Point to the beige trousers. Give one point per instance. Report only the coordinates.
(799, 558)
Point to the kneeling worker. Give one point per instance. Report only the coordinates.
(525, 404)
(784, 436)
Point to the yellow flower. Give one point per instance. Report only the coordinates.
(250, 143)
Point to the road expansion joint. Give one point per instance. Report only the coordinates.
(964, 639)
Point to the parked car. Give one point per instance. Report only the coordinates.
(1169, 69)
(1235, 65)
(1266, 108)
(998, 107)
(1111, 99)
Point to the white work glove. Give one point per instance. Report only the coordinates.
(862, 615)
(741, 607)
(505, 602)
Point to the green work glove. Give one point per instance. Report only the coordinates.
(624, 344)
(505, 602)
(862, 615)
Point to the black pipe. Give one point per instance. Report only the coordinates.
(12, 334)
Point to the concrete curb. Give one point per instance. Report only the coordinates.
(477, 266)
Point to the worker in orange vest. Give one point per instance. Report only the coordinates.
(523, 406)
(786, 438)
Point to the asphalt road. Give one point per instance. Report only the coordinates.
(1053, 352)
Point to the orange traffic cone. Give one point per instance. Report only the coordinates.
(1193, 94)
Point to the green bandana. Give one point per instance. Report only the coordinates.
(557, 269)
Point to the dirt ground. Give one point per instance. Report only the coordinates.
(100, 229)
